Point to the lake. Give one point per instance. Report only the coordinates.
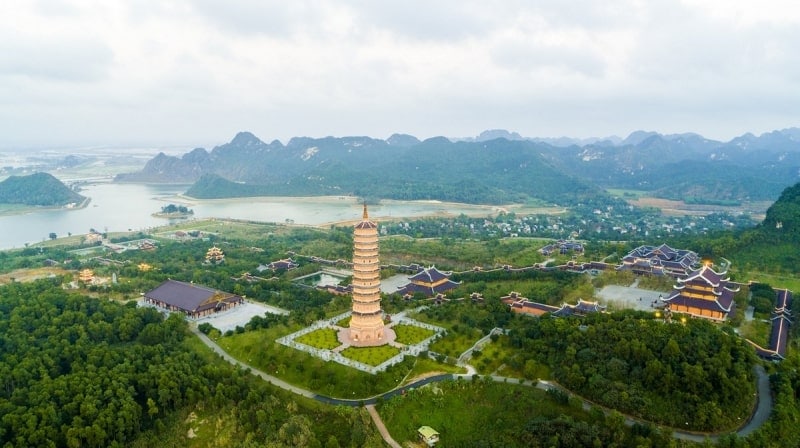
(128, 207)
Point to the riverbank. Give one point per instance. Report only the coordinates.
(21, 209)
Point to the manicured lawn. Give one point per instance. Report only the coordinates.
(324, 338)
(454, 345)
(370, 355)
(410, 335)
(259, 349)
(490, 357)
(344, 323)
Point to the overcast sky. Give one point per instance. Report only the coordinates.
(195, 72)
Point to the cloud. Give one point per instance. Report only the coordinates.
(189, 70)
(68, 61)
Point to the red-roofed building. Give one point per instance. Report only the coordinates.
(703, 293)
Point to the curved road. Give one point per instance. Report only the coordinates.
(759, 416)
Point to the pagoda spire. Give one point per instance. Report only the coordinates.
(366, 215)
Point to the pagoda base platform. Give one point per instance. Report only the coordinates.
(344, 337)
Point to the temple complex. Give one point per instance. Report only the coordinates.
(703, 293)
(366, 322)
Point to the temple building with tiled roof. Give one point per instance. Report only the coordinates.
(519, 304)
(429, 281)
(779, 336)
(562, 247)
(660, 260)
(703, 293)
(193, 300)
(286, 264)
(214, 255)
(86, 276)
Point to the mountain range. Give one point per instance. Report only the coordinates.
(496, 167)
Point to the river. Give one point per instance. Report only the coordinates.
(118, 207)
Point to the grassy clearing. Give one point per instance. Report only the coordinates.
(627, 194)
(410, 335)
(426, 367)
(324, 338)
(259, 349)
(781, 281)
(757, 331)
(465, 412)
(491, 357)
(372, 356)
(454, 345)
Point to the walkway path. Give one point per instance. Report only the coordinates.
(376, 418)
(760, 414)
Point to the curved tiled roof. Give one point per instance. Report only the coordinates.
(429, 275)
(710, 276)
(723, 302)
(188, 296)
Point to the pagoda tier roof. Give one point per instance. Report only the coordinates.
(366, 225)
(430, 275)
(723, 302)
(189, 297)
(412, 288)
(708, 275)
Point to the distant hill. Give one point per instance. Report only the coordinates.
(496, 171)
(772, 246)
(498, 166)
(39, 189)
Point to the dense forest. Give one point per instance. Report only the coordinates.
(77, 371)
(40, 189)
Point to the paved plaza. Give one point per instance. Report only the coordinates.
(392, 284)
(629, 297)
(232, 318)
(239, 316)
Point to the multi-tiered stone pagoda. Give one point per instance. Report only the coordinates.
(366, 322)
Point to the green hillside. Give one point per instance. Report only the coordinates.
(39, 189)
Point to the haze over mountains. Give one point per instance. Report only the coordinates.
(495, 167)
